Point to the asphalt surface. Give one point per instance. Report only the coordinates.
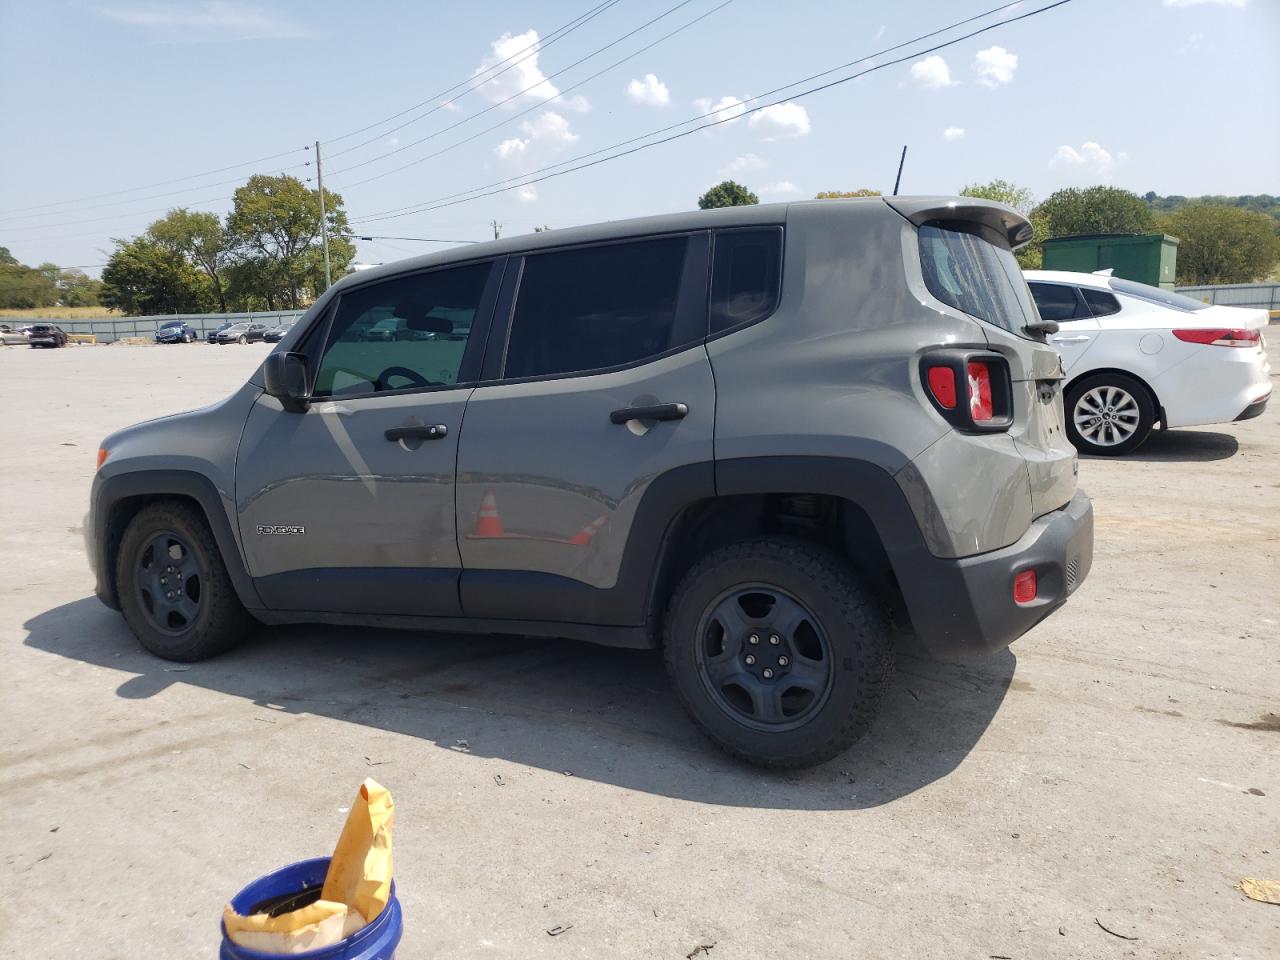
(1118, 768)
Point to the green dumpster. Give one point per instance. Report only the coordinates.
(1145, 257)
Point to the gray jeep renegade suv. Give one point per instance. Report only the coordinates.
(762, 439)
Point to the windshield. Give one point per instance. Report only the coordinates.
(171, 323)
(973, 269)
(1165, 298)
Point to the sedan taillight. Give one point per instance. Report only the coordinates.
(1220, 338)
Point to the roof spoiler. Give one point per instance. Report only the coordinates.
(997, 216)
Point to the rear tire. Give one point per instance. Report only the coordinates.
(1109, 414)
(810, 684)
(173, 587)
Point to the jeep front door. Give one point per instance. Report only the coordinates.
(349, 506)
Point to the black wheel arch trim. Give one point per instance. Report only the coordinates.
(156, 485)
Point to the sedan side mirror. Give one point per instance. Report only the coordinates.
(286, 378)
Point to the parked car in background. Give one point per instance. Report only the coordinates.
(47, 335)
(176, 331)
(12, 337)
(276, 333)
(242, 333)
(761, 438)
(1136, 355)
(213, 334)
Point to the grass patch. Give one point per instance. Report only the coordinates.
(58, 313)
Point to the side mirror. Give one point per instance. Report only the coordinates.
(286, 378)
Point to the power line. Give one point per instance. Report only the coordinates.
(472, 82)
(430, 205)
(418, 239)
(711, 113)
(542, 43)
(500, 103)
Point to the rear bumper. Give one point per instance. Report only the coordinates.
(1255, 409)
(965, 607)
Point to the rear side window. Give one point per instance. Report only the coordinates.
(746, 276)
(608, 306)
(1057, 302)
(1165, 298)
(1100, 302)
(972, 269)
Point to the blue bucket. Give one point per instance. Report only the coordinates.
(377, 941)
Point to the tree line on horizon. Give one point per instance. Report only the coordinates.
(1221, 239)
(264, 255)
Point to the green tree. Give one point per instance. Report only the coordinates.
(77, 289)
(275, 226)
(23, 287)
(847, 194)
(1095, 210)
(200, 238)
(7, 258)
(727, 194)
(1222, 244)
(146, 277)
(1031, 254)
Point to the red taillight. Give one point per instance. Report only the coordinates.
(1024, 587)
(980, 408)
(942, 384)
(1221, 337)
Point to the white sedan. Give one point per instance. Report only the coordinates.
(1136, 355)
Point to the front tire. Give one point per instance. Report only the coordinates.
(1109, 414)
(173, 587)
(778, 652)
(243, 340)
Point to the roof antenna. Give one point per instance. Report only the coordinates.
(897, 183)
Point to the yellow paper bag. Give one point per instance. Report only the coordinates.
(356, 887)
(360, 871)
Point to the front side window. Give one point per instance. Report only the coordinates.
(1057, 302)
(972, 269)
(746, 276)
(401, 333)
(599, 307)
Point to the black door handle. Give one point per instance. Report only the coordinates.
(656, 411)
(433, 432)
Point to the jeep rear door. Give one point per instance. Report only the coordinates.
(597, 391)
(349, 507)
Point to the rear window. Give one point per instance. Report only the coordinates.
(1100, 302)
(972, 269)
(1165, 298)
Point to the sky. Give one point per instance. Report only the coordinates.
(113, 111)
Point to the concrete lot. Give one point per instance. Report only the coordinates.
(1119, 766)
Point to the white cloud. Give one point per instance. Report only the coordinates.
(953, 133)
(995, 66)
(393, 141)
(746, 163)
(545, 134)
(522, 78)
(780, 121)
(879, 34)
(650, 91)
(783, 188)
(450, 106)
(726, 108)
(208, 20)
(1091, 158)
(931, 73)
(1235, 4)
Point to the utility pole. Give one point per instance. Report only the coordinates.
(497, 228)
(324, 220)
(896, 183)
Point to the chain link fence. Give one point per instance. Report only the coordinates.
(1264, 295)
(109, 329)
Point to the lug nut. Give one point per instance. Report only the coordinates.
(169, 595)
(164, 580)
(775, 639)
(783, 661)
(768, 673)
(750, 659)
(753, 639)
